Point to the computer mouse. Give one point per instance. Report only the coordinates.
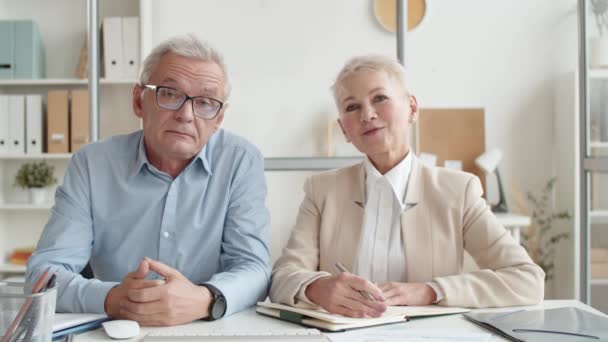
(121, 328)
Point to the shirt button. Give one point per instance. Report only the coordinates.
(166, 234)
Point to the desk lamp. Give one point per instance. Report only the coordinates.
(488, 162)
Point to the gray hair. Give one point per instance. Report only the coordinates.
(188, 45)
(373, 62)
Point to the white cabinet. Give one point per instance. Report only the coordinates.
(63, 27)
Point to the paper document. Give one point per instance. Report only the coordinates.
(410, 336)
(65, 320)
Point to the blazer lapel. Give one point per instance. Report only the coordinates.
(416, 230)
(349, 235)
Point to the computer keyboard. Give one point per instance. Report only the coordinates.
(241, 336)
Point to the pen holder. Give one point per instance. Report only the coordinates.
(26, 316)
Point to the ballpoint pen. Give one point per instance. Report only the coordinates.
(341, 268)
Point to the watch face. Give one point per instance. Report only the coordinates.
(219, 308)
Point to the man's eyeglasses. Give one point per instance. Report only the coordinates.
(173, 99)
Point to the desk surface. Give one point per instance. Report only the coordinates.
(249, 321)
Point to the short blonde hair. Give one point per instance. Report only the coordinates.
(188, 45)
(373, 62)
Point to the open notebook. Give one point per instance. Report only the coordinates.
(324, 320)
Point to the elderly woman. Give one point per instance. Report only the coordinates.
(400, 226)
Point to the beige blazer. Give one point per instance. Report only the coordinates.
(447, 216)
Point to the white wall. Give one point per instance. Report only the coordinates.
(283, 55)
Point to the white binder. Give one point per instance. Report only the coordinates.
(113, 56)
(130, 47)
(3, 124)
(16, 124)
(33, 124)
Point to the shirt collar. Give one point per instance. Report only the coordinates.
(142, 158)
(397, 177)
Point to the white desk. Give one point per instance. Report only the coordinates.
(250, 321)
(514, 223)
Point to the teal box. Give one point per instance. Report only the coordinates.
(21, 50)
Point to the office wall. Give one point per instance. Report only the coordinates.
(283, 55)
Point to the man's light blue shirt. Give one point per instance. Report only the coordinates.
(114, 208)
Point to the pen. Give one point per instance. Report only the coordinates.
(341, 268)
(69, 338)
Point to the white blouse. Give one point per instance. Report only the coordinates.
(384, 204)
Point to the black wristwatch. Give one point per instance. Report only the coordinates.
(217, 307)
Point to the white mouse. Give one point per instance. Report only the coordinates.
(120, 329)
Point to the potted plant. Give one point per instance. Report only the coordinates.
(36, 177)
(541, 239)
(598, 46)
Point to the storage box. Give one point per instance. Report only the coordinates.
(599, 270)
(21, 50)
(599, 255)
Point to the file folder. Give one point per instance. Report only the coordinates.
(33, 124)
(79, 120)
(130, 47)
(3, 124)
(57, 121)
(112, 47)
(16, 124)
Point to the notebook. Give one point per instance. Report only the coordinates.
(65, 323)
(563, 324)
(326, 321)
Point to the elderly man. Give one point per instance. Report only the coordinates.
(172, 218)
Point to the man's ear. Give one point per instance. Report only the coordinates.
(137, 100)
(413, 103)
(343, 131)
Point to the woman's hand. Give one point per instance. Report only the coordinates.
(408, 293)
(340, 294)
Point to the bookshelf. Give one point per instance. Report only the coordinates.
(21, 222)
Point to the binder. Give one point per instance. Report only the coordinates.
(16, 124)
(29, 50)
(79, 120)
(112, 47)
(57, 121)
(33, 124)
(7, 52)
(130, 47)
(22, 51)
(3, 124)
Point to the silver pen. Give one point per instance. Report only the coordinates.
(341, 268)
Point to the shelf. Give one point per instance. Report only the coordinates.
(598, 282)
(513, 220)
(308, 163)
(61, 82)
(598, 73)
(25, 206)
(10, 268)
(599, 144)
(61, 156)
(598, 216)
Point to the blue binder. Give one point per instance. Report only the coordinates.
(21, 50)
